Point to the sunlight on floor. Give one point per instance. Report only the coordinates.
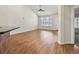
(46, 36)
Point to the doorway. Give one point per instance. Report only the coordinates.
(76, 25)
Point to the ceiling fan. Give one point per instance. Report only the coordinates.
(40, 10)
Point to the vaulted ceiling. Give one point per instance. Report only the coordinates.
(48, 9)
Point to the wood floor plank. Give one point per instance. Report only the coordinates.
(38, 42)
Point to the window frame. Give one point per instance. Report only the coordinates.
(46, 20)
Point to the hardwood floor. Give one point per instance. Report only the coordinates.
(38, 42)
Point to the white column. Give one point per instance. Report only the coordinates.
(65, 21)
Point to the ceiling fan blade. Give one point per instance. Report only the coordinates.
(40, 10)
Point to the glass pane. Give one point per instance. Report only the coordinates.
(46, 21)
(75, 24)
(78, 25)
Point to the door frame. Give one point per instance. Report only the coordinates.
(72, 23)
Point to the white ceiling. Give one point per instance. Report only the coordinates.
(49, 9)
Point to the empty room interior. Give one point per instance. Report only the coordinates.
(39, 29)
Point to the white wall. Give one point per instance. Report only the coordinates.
(3, 16)
(55, 22)
(19, 16)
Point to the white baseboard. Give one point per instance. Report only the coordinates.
(62, 43)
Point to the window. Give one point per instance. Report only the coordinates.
(46, 20)
(76, 22)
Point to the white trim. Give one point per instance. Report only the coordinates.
(62, 43)
(72, 25)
